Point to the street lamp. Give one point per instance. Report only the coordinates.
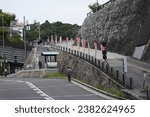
(25, 27)
(24, 38)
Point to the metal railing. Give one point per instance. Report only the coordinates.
(115, 74)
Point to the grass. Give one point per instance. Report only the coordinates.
(115, 91)
(112, 90)
(54, 75)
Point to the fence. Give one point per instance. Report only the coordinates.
(116, 75)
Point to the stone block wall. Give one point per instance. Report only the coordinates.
(120, 23)
(85, 71)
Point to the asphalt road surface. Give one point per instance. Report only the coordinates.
(46, 89)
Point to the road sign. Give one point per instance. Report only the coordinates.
(125, 65)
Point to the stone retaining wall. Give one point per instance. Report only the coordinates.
(32, 73)
(85, 71)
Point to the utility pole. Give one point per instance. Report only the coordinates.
(24, 36)
(39, 31)
(3, 37)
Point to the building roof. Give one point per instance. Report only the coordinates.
(50, 53)
(14, 31)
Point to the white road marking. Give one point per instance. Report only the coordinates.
(47, 97)
(36, 89)
(43, 95)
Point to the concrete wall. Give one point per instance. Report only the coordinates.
(32, 73)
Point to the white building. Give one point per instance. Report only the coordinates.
(16, 28)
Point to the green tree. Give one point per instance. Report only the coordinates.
(95, 7)
(57, 28)
(5, 19)
(15, 39)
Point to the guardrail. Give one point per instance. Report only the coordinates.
(116, 75)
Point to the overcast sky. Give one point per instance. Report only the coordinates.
(66, 11)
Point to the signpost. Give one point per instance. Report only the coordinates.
(125, 65)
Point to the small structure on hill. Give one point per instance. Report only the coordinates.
(50, 59)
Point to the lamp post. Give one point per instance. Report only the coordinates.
(24, 38)
(25, 27)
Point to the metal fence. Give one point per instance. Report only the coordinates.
(116, 75)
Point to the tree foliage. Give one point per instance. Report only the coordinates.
(15, 39)
(5, 19)
(95, 7)
(56, 28)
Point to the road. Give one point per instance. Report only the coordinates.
(46, 89)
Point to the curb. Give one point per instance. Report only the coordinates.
(98, 90)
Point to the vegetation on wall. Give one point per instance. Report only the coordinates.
(95, 7)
